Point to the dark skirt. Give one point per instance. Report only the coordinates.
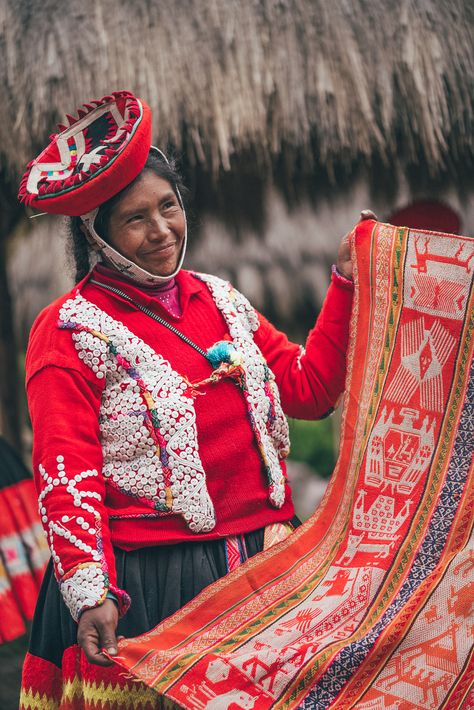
(159, 580)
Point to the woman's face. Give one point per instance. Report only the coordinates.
(147, 225)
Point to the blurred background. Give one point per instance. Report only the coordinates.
(288, 117)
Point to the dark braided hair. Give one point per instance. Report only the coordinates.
(78, 246)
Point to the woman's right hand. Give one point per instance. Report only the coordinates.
(344, 262)
(97, 630)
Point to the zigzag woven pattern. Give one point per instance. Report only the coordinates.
(369, 604)
(78, 684)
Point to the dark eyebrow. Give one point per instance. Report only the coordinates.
(129, 213)
(168, 196)
(143, 207)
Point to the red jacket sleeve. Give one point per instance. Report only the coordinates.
(67, 465)
(311, 379)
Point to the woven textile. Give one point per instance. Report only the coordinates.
(369, 604)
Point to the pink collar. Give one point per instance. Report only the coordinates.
(173, 296)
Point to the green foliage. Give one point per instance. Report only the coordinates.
(313, 443)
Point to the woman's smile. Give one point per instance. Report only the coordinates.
(160, 249)
(148, 225)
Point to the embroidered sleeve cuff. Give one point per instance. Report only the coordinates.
(86, 587)
(340, 279)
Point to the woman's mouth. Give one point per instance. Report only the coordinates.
(161, 250)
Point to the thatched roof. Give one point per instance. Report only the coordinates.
(298, 83)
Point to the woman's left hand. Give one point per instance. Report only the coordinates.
(96, 630)
(344, 261)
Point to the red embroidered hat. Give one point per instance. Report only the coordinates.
(92, 159)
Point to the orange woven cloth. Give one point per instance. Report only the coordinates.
(369, 604)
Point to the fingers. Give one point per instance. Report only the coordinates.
(92, 647)
(344, 258)
(344, 262)
(96, 631)
(108, 640)
(92, 650)
(367, 214)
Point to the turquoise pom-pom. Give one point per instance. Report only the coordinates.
(222, 351)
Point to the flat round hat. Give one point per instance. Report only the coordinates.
(89, 161)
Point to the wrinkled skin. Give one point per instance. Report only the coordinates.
(147, 225)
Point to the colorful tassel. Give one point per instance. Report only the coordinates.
(223, 352)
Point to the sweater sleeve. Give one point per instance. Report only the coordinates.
(311, 379)
(67, 464)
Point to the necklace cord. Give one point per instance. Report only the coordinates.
(152, 315)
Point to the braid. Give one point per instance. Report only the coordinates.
(79, 249)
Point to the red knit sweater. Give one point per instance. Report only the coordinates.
(64, 399)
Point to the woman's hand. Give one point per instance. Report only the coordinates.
(96, 630)
(344, 262)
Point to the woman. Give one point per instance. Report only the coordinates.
(157, 398)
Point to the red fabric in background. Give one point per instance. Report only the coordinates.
(23, 557)
(427, 214)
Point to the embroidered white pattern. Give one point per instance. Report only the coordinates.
(169, 476)
(242, 320)
(130, 450)
(84, 589)
(87, 585)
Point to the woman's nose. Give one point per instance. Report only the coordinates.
(158, 226)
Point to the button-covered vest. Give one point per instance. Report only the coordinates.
(147, 415)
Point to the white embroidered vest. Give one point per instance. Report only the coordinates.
(147, 416)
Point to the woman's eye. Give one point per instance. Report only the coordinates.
(168, 204)
(134, 218)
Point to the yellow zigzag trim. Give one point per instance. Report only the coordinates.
(132, 695)
(35, 701)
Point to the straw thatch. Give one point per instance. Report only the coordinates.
(296, 83)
